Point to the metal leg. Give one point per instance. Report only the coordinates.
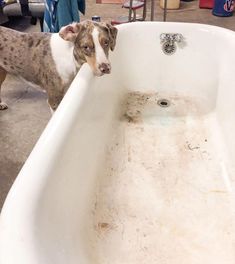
(152, 10)
(134, 16)
(41, 19)
(130, 11)
(165, 10)
(144, 10)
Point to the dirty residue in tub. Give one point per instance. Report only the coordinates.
(160, 197)
(138, 107)
(136, 103)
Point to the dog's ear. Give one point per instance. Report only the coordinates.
(112, 35)
(70, 32)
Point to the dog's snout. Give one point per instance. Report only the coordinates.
(105, 68)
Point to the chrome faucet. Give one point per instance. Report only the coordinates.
(168, 41)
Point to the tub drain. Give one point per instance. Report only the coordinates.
(169, 48)
(163, 102)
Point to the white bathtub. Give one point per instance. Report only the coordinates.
(115, 178)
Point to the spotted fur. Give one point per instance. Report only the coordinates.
(51, 61)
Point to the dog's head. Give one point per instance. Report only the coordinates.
(92, 42)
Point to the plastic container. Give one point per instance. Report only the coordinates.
(223, 8)
(96, 18)
(171, 4)
(206, 4)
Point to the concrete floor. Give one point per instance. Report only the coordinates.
(28, 113)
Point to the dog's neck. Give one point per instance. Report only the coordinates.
(62, 54)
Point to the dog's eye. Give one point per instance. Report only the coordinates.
(86, 47)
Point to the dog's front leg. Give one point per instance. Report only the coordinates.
(3, 74)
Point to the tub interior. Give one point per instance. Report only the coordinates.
(164, 195)
(145, 174)
(159, 190)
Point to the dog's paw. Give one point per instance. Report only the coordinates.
(3, 106)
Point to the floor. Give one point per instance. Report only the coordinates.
(28, 113)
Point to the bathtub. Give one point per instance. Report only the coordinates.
(136, 166)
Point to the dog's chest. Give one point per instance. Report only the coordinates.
(62, 54)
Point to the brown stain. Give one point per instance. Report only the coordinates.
(129, 154)
(219, 191)
(180, 104)
(135, 103)
(103, 225)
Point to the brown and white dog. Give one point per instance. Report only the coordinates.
(51, 61)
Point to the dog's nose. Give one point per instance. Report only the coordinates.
(105, 67)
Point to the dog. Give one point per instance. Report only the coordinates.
(51, 60)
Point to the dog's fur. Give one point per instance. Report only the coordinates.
(51, 61)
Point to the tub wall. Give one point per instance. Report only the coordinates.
(58, 178)
(74, 177)
(194, 62)
(225, 106)
(202, 67)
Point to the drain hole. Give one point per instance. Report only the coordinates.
(163, 103)
(169, 48)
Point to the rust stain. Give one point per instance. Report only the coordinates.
(135, 103)
(129, 154)
(218, 191)
(103, 225)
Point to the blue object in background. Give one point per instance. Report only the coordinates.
(59, 13)
(67, 12)
(223, 8)
(49, 24)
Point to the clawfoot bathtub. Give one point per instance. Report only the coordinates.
(138, 166)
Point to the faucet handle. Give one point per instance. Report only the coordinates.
(171, 37)
(164, 37)
(178, 37)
